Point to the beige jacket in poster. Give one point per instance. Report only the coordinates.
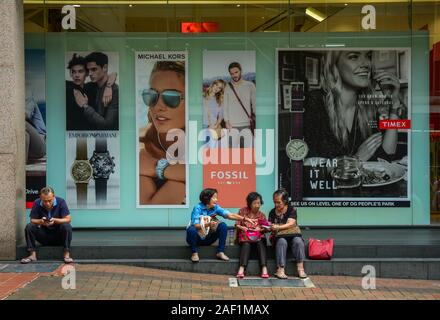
(233, 112)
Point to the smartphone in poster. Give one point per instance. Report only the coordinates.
(92, 130)
(35, 117)
(161, 118)
(343, 126)
(229, 108)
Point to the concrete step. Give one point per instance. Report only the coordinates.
(403, 268)
(183, 252)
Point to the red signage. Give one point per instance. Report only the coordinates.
(394, 124)
(196, 27)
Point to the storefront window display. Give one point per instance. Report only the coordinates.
(283, 49)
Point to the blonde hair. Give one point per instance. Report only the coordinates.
(176, 66)
(332, 86)
(219, 95)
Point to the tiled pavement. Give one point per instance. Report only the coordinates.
(132, 283)
(9, 282)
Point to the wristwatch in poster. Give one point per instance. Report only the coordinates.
(297, 148)
(81, 171)
(103, 165)
(161, 165)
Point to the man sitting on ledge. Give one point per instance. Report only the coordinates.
(50, 225)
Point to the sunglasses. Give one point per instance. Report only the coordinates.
(171, 98)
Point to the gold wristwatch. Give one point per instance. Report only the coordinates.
(81, 171)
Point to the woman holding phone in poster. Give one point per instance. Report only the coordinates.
(162, 181)
(341, 118)
(213, 111)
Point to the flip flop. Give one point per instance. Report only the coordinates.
(27, 260)
(68, 260)
(281, 276)
(240, 275)
(264, 275)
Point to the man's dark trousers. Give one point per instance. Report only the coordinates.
(59, 235)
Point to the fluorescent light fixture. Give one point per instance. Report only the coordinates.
(315, 14)
(335, 45)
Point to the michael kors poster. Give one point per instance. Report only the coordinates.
(343, 126)
(161, 118)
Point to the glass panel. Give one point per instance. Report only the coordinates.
(157, 25)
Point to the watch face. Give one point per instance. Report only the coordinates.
(102, 164)
(297, 149)
(81, 171)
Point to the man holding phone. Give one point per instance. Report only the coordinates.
(50, 225)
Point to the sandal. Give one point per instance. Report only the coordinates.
(240, 275)
(302, 274)
(68, 260)
(264, 275)
(27, 260)
(281, 276)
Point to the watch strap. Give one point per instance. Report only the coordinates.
(297, 181)
(101, 191)
(297, 125)
(101, 183)
(297, 133)
(101, 145)
(81, 148)
(81, 194)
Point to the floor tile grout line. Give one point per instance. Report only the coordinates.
(35, 277)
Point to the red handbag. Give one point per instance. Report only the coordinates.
(320, 249)
(250, 236)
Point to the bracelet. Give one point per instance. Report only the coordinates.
(161, 165)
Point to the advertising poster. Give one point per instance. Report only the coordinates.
(229, 108)
(93, 177)
(161, 118)
(343, 126)
(35, 115)
(92, 130)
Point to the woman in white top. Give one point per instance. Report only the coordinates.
(213, 110)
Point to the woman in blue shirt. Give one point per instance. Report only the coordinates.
(208, 207)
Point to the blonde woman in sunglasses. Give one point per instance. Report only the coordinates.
(162, 182)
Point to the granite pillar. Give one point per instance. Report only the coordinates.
(12, 128)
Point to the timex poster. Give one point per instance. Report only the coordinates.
(343, 126)
(35, 115)
(92, 129)
(229, 108)
(161, 116)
